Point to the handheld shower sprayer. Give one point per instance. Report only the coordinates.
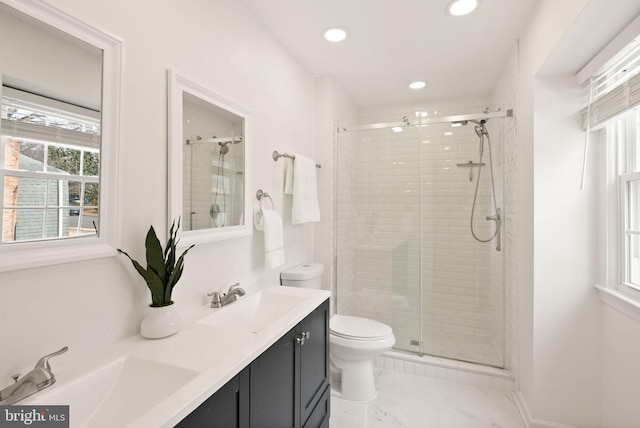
(481, 131)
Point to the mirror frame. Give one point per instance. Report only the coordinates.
(43, 253)
(177, 85)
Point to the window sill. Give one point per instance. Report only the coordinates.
(624, 303)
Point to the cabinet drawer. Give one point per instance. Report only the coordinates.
(319, 417)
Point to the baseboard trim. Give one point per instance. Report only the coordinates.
(528, 420)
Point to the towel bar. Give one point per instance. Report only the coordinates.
(277, 156)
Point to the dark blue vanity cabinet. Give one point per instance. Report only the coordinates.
(228, 407)
(286, 386)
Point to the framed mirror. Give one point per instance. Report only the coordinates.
(209, 148)
(59, 112)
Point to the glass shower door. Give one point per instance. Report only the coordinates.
(405, 255)
(378, 230)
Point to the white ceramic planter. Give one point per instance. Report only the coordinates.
(160, 321)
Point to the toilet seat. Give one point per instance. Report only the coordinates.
(356, 328)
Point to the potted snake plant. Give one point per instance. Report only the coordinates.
(163, 271)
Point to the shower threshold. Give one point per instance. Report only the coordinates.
(455, 346)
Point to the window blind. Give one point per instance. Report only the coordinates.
(615, 87)
(29, 116)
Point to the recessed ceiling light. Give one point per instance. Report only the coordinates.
(419, 84)
(397, 129)
(335, 34)
(462, 7)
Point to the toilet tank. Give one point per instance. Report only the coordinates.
(306, 275)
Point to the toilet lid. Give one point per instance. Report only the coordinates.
(358, 328)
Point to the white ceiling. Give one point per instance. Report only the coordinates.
(393, 42)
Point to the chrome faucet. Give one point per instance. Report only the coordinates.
(231, 295)
(36, 380)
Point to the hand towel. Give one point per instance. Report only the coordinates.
(305, 206)
(288, 176)
(273, 238)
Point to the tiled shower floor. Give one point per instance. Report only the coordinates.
(406, 401)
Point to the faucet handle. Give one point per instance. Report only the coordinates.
(233, 287)
(44, 361)
(216, 302)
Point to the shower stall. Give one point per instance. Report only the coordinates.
(419, 229)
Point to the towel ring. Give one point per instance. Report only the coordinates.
(260, 195)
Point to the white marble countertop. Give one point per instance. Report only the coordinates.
(213, 355)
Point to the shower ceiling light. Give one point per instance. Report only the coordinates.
(397, 129)
(335, 34)
(418, 84)
(461, 7)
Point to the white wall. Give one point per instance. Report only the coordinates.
(620, 373)
(219, 44)
(566, 306)
(563, 359)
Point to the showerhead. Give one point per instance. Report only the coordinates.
(480, 131)
(224, 147)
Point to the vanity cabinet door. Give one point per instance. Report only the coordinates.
(273, 385)
(314, 361)
(228, 407)
(290, 380)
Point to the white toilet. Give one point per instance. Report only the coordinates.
(354, 341)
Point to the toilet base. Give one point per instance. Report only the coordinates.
(357, 382)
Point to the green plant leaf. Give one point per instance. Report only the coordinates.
(155, 259)
(176, 274)
(170, 250)
(155, 285)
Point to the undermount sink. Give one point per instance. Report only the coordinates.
(252, 312)
(115, 394)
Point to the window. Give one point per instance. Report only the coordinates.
(624, 134)
(50, 154)
(614, 108)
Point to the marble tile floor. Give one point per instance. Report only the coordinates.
(406, 401)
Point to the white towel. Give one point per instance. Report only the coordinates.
(273, 238)
(288, 176)
(305, 206)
